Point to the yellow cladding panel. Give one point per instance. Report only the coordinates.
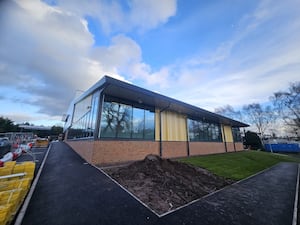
(174, 126)
(228, 133)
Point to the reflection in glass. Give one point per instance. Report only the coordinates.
(126, 121)
(149, 125)
(236, 134)
(138, 123)
(204, 131)
(85, 117)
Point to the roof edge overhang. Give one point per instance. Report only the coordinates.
(121, 89)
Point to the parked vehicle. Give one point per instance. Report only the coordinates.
(5, 146)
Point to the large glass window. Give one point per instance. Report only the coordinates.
(149, 125)
(125, 121)
(138, 123)
(204, 131)
(236, 134)
(84, 117)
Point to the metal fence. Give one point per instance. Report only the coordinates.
(18, 137)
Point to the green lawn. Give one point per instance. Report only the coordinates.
(238, 165)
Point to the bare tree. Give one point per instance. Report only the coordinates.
(116, 117)
(229, 111)
(258, 116)
(287, 104)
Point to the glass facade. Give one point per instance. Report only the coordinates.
(204, 131)
(236, 134)
(84, 117)
(122, 119)
(126, 121)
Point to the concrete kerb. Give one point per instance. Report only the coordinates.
(87, 163)
(215, 192)
(22, 212)
(132, 195)
(296, 200)
(180, 207)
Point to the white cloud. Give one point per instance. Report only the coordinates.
(124, 57)
(115, 17)
(44, 53)
(47, 51)
(109, 13)
(142, 72)
(156, 12)
(256, 61)
(121, 52)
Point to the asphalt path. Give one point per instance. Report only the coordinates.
(35, 154)
(71, 191)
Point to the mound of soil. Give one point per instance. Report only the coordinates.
(163, 184)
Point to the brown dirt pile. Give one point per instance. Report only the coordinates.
(163, 184)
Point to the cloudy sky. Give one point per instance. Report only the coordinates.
(206, 53)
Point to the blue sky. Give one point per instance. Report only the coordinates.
(206, 53)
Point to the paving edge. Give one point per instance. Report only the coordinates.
(32, 188)
(189, 203)
(126, 190)
(296, 200)
(113, 180)
(215, 192)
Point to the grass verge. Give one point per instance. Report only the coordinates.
(238, 165)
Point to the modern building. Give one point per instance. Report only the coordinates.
(115, 122)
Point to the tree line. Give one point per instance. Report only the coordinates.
(284, 107)
(7, 125)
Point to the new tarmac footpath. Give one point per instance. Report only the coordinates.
(71, 191)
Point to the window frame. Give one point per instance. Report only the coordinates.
(236, 134)
(84, 126)
(133, 106)
(203, 131)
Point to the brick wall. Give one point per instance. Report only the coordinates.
(204, 148)
(109, 152)
(239, 146)
(230, 146)
(84, 148)
(174, 149)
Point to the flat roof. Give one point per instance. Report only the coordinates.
(133, 93)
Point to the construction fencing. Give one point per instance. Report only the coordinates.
(18, 137)
(292, 148)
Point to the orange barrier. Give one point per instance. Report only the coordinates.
(41, 143)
